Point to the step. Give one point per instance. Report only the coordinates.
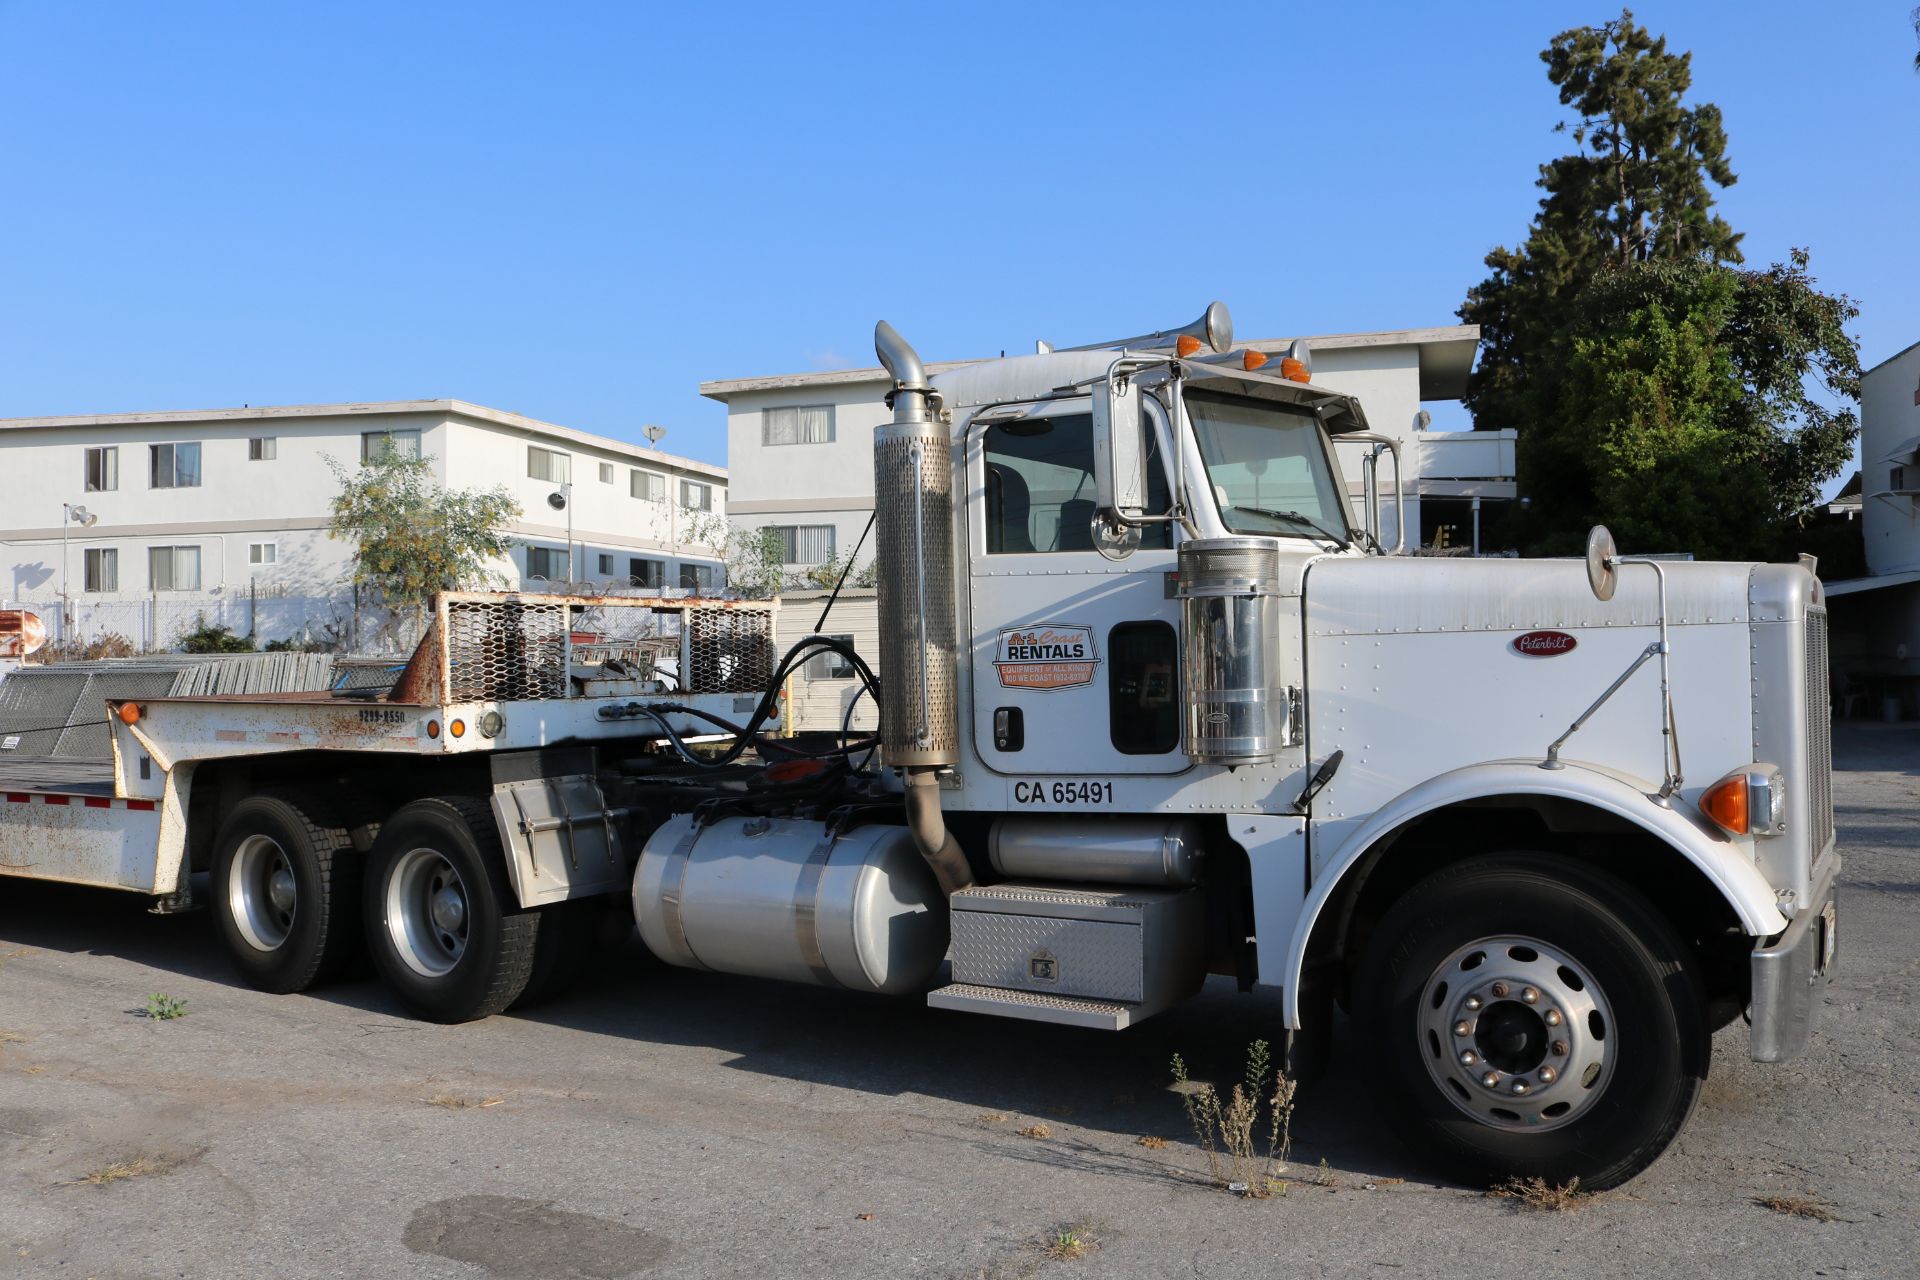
(1034, 1006)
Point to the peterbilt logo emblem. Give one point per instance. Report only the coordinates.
(1544, 644)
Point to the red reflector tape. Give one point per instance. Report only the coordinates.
(99, 802)
(56, 799)
(19, 797)
(141, 806)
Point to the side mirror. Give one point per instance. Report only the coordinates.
(1119, 461)
(1603, 563)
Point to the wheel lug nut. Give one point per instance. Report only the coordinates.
(1529, 995)
(1519, 1087)
(1548, 1075)
(1553, 1018)
(1473, 1004)
(1468, 1058)
(1559, 1048)
(1491, 1079)
(1500, 990)
(1463, 1028)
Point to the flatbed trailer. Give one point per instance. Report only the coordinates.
(501, 723)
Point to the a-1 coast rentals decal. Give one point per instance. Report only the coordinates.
(1046, 655)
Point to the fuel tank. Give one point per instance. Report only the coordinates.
(783, 898)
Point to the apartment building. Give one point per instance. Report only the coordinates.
(800, 446)
(144, 524)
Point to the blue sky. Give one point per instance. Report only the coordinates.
(581, 211)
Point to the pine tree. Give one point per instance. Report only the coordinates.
(1636, 189)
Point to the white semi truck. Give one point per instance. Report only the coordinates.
(1152, 707)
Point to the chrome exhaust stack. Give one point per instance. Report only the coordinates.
(914, 580)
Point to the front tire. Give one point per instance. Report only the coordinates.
(1534, 1018)
(285, 888)
(442, 923)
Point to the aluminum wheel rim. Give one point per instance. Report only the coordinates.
(262, 894)
(427, 912)
(1516, 1033)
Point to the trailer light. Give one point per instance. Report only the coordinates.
(458, 728)
(1185, 345)
(491, 723)
(1252, 360)
(129, 713)
(1295, 370)
(433, 728)
(1750, 801)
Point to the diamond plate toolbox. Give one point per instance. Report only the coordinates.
(1136, 946)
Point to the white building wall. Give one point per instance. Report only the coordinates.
(1889, 427)
(284, 502)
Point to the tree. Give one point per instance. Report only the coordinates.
(1656, 385)
(1636, 189)
(413, 537)
(1679, 411)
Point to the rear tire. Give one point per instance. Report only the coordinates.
(1534, 1018)
(285, 887)
(442, 924)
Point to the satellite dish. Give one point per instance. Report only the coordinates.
(557, 500)
(1603, 563)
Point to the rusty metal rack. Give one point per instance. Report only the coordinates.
(512, 646)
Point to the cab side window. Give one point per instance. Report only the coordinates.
(1040, 490)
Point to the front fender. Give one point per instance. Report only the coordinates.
(1723, 863)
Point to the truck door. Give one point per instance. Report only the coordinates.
(1075, 656)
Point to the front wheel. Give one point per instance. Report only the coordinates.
(1536, 1018)
(442, 924)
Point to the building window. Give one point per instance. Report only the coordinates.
(175, 466)
(102, 569)
(263, 448)
(811, 424)
(546, 562)
(699, 577)
(647, 485)
(1897, 479)
(696, 496)
(828, 665)
(263, 553)
(549, 464)
(173, 568)
(376, 445)
(103, 469)
(651, 574)
(606, 562)
(606, 473)
(805, 543)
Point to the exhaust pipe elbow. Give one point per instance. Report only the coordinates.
(929, 829)
(908, 398)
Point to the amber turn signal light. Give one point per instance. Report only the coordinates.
(1294, 370)
(433, 728)
(1186, 345)
(1726, 803)
(129, 713)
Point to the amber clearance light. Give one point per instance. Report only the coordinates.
(1750, 801)
(129, 713)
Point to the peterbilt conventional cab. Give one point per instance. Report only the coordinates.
(1157, 708)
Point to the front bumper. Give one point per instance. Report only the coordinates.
(1792, 970)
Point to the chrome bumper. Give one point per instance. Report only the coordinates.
(1791, 971)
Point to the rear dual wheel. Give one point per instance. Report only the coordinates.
(442, 922)
(1534, 1017)
(285, 892)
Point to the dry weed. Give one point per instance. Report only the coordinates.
(993, 1117)
(1798, 1207)
(1151, 1141)
(454, 1102)
(1036, 1131)
(1538, 1193)
(1070, 1242)
(120, 1170)
(1229, 1130)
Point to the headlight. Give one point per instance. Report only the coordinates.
(1749, 801)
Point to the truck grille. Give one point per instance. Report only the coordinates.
(1819, 766)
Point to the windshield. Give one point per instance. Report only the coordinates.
(1267, 466)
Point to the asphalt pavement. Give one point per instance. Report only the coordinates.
(668, 1123)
